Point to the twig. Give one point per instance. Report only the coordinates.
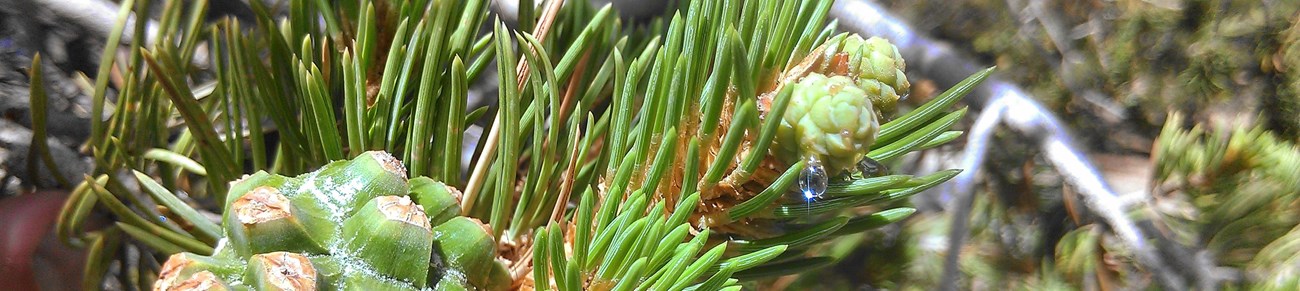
(976, 151)
(998, 98)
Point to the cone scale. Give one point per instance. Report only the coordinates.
(270, 223)
(391, 234)
(281, 271)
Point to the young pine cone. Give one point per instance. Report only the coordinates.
(829, 119)
(875, 66)
(842, 93)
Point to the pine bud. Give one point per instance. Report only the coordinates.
(828, 119)
(875, 65)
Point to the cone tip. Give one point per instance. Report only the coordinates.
(170, 272)
(486, 228)
(401, 208)
(261, 204)
(246, 177)
(201, 281)
(287, 271)
(389, 163)
(455, 193)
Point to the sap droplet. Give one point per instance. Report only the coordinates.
(870, 167)
(813, 180)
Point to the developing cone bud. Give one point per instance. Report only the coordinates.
(828, 119)
(281, 271)
(440, 202)
(267, 222)
(875, 66)
(392, 234)
(466, 245)
(181, 269)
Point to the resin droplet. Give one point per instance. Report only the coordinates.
(813, 180)
(871, 168)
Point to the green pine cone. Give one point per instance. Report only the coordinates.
(875, 66)
(829, 119)
(351, 225)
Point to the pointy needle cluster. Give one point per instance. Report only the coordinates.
(610, 136)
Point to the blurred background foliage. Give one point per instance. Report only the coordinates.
(1193, 102)
(1127, 63)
